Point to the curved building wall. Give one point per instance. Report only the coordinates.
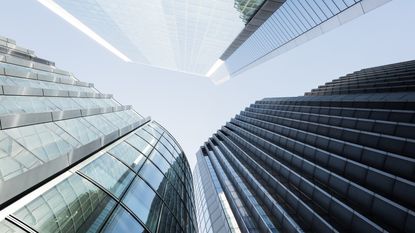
(75, 160)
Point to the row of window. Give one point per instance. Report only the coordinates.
(34, 83)
(27, 104)
(36, 71)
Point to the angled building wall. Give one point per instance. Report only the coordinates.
(339, 159)
(73, 159)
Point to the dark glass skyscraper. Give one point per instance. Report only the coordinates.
(75, 160)
(339, 159)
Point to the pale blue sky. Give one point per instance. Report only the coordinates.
(191, 107)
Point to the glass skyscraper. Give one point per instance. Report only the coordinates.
(213, 38)
(341, 158)
(73, 159)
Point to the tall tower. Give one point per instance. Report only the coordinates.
(73, 159)
(339, 159)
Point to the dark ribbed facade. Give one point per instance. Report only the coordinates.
(339, 159)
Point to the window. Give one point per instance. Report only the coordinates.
(122, 221)
(144, 202)
(109, 173)
(74, 205)
(129, 155)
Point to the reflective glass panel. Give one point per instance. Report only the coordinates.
(46, 141)
(140, 144)
(14, 159)
(129, 116)
(166, 153)
(7, 227)
(168, 223)
(74, 205)
(26, 104)
(146, 136)
(80, 129)
(144, 202)
(152, 131)
(99, 122)
(121, 221)
(153, 176)
(109, 173)
(65, 103)
(129, 155)
(168, 145)
(161, 162)
(156, 127)
(115, 119)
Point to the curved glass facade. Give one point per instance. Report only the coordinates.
(75, 160)
(139, 182)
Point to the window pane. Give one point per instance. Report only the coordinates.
(115, 119)
(74, 205)
(80, 129)
(152, 131)
(129, 155)
(153, 176)
(99, 122)
(168, 223)
(158, 159)
(14, 159)
(46, 141)
(165, 152)
(110, 173)
(146, 136)
(20, 104)
(144, 202)
(140, 144)
(122, 221)
(156, 127)
(64, 103)
(7, 227)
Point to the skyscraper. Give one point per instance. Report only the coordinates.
(213, 38)
(341, 158)
(73, 159)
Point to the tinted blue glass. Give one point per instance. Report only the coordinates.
(168, 223)
(110, 173)
(129, 155)
(153, 176)
(140, 144)
(161, 162)
(166, 153)
(122, 221)
(147, 136)
(144, 202)
(74, 205)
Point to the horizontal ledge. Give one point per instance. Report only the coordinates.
(42, 77)
(31, 91)
(25, 119)
(32, 64)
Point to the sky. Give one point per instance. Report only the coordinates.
(192, 108)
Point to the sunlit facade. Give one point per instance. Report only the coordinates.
(214, 38)
(338, 159)
(75, 160)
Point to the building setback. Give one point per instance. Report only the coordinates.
(341, 158)
(73, 159)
